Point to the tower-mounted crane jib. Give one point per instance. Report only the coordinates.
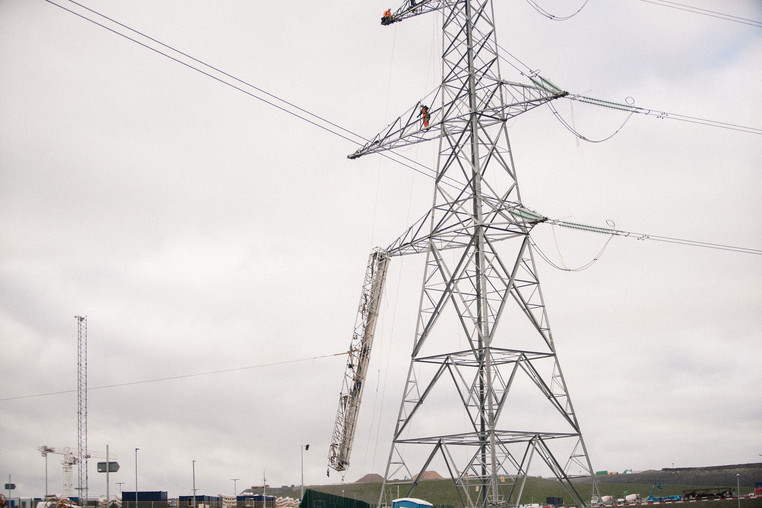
(357, 362)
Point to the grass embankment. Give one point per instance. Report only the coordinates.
(442, 493)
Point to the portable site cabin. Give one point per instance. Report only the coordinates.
(315, 499)
(411, 502)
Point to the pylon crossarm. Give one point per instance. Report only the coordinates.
(408, 129)
(411, 127)
(411, 8)
(509, 219)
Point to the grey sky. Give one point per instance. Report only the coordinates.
(202, 230)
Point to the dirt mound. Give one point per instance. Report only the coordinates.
(371, 478)
(431, 475)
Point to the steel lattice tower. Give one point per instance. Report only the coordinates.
(483, 360)
(82, 454)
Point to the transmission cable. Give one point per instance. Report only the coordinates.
(426, 171)
(663, 114)
(705, 12)
(331, 127)
(180, 376)
(644, 236)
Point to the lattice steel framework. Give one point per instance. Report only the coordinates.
(82, 454)
(358, 359)
(483, 360)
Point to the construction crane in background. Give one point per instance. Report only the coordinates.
(357, 362)
(68, 460)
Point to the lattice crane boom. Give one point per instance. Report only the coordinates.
(358, 360)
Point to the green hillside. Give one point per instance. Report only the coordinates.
(441, 493)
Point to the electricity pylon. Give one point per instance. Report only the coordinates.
(483, 360)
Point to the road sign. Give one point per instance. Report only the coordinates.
(113, 467)
(10, 486)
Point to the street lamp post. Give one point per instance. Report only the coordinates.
(738, 488)
(120, 489)
(136, 477)
(194, 484)
(235, 490)
(108, 468)
(302, 449)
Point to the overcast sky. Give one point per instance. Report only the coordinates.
(201, 230)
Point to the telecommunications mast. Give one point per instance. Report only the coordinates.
(82, 407)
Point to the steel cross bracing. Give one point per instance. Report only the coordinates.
(482, 339)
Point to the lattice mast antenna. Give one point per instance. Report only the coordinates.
(482, 327)
(82, 454)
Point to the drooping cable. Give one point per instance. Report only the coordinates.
(580, 136)
(553, 17)
(526, 71)
(563, 266)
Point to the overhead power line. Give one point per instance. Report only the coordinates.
(172, 378)
(225, 78)
(334, 128)
(663, 114)
(644, 236)
(705, 12)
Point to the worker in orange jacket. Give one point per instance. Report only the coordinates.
(425, 115)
